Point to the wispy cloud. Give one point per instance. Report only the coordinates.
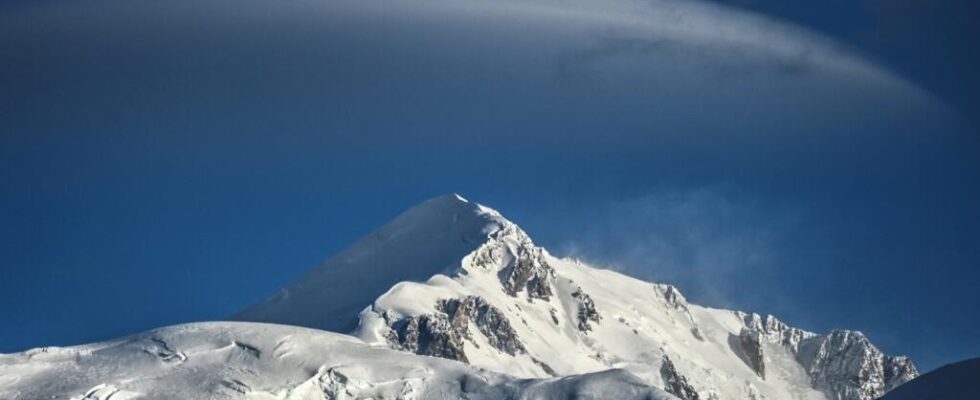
(711, 242)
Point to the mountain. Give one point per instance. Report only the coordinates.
(955, 381)
(452, 300)
(431, 238)
(454, 279)
(234, 360)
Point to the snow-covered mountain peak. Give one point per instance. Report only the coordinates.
(446, 217)
(428, 239)
(453, 279)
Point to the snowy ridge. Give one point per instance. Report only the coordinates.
(235, 360)
(504, 304)
(428, 239)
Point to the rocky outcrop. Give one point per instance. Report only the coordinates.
(587, 314)
(898, 370)
(428, 334)
(490, 321)
(843, 364)
(520, 265)
(444, 333)
(672, 296)
(529, 272)
(162, 349)
(675, 383)
(846, 366)
(750, 344)
(774, 330)
(673, 299)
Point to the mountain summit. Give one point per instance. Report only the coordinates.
(453, 279)
(428, 239)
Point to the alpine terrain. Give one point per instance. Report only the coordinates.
(452, 300)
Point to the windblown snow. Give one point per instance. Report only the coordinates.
(452, 300)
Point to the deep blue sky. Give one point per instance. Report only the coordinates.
(164, 164)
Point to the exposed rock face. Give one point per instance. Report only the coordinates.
(675, 300)
(898, 370)
(443, 334)
(846, 366)
(520, 265)
(843, 364)
(587, 314)
(774, 330)
(161, 349)
(527, 271)
(675, 383)
(490, 321)
(430, 335)
(673, 297)
(545, 367)
(750, 342)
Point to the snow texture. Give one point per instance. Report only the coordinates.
(239, 360)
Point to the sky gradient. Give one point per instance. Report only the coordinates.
(171, 163)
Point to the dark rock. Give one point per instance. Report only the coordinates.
(675, 383)
(491, 322)
(898, 370)
(750, 342)
(528, 271)
(443, 334)
(430, 335)
(162, 349)
(544, 367)
(587, 313)
(673, 297)
(843, 364)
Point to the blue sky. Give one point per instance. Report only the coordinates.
(164, 164)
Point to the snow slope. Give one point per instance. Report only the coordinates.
(429, 239)
(454, 279)
(234, 360)
(956, 381)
